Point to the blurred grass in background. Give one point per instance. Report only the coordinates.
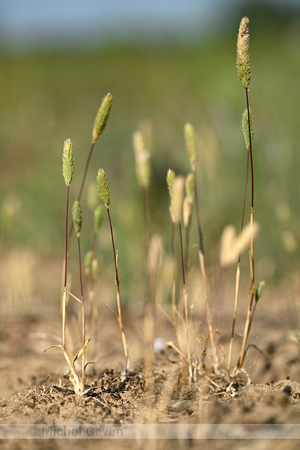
(46, 98)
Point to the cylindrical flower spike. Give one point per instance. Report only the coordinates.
(245, 125)
(170, 181)
(191, 146)
(259, 290)
(102, 116)
(188, 201)
(102, 188)
(98, 217)
(232, 245)
(243, 59)
(190, 185)
(77, 217)
(142, 160)
(68, 162)
(95, 269)
(177, 199)
(88, 261)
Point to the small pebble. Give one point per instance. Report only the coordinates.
(160, 345)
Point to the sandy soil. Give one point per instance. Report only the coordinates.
(35, 388)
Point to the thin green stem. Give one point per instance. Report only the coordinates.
(201, 243)
(238, 273)
(181, 255)
(64, 298)
(85, 171)
(203, 272)
(250, 149)
(117, 281)
(187, 243)
(82, 311)
(251, 292)
(83, 181)
(66, 249)
(147, 239)
(174, 308)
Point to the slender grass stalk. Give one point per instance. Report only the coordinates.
(153, 266)
(187, 215)
(68, 172)
(91, 265)
(238, 269)
(244, 73)
(104, 194)
(77, 221)
(143, 174)
(176, 189)
(258, 294)
(170, 183)
(191, 147)
(98, 128)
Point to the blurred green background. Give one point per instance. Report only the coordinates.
(48, 96)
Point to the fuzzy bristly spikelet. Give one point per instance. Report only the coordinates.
(170, 181)
(98, 217)
(177, 199)
(102, 188)
(243, 59)
(191, 147)
(142, 160)
(245, 125)
(68, 162)
(102, 116)
(77, 217)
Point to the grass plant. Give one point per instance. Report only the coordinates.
(68, 173)
(244, 72)
(77, 221)
(104, 194)
(184, 196)
(191, 146)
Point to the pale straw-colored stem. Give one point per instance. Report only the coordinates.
(186, 306)
(238, 274)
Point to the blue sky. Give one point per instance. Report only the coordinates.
(39, 22)
(29, 20)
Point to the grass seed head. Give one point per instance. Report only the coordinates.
(243, 59)
(232, 246)
(259, 290)
(190, 185)
(102, 116)
(95, 269)
(191, 146)
(187, 210)
(77, 217)
(98, 218)
(188, 201)
(177, 199)
(170, 181)
(102, 188)
(68, 162)
(245, 126)
(88, 261)
(142, 160)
